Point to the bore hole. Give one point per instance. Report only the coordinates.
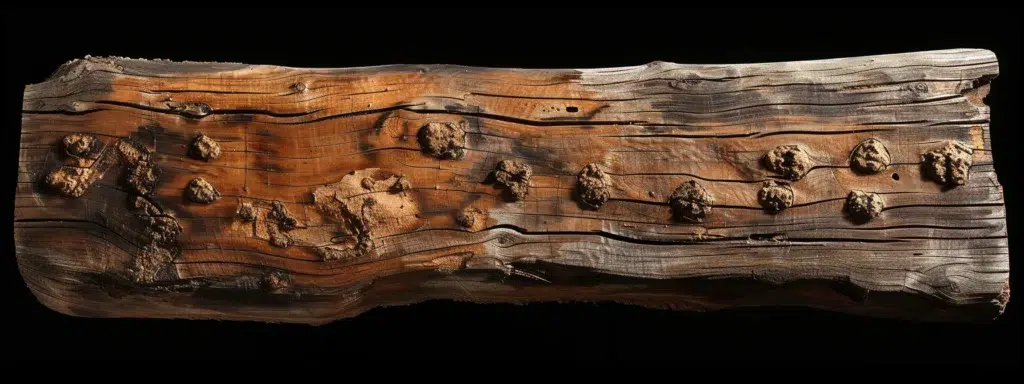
(572, 109)
(896, 177)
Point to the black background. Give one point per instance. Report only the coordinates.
(38, 41)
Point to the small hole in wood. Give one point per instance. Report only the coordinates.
(896, 177)
(572, 109)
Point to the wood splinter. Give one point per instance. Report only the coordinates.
(663, 185)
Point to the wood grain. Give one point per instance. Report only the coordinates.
(324, 195)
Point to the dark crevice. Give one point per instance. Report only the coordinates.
(820, 133)
(767, 236)
(582, 121)
(62, 112)
(348, 114)
(916, 226)
(961, 122)
(944, 206)
(212, 111)
(261, 112)
(631, 240)
(209, 91)
(518, 120)
(873, 103)
(553, 98)
(18, 220)
(954, 238)
(909, 122)
(685, 136)
(687, 175)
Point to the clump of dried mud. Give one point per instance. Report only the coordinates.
(592, 186)
(691, 202)
(775, 196)
(443, 140)
(790, 161)
(201, 191)
(515, 177)
(949, 165)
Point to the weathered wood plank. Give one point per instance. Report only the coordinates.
(340, 190)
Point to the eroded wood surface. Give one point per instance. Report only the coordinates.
(257, 192)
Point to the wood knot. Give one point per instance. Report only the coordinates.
(861, 206)
(790, 161)
(775, 196)
(592, 186)
(515, 177)
(691, 202)
(870, 156)
(201, 191)
(204, 148)
(949, 165)
(443, 140)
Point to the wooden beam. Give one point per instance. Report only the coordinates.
(255, 192)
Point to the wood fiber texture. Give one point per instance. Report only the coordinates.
(152, 188)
